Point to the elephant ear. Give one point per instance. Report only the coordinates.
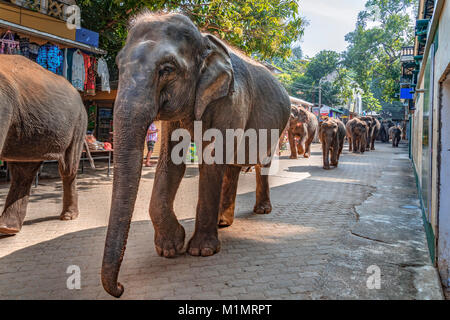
(294, 112)
(217, 76)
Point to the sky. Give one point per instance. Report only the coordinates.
(329, 22)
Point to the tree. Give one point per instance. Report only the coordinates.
(263, 28)
(374, 52)
(301, 78)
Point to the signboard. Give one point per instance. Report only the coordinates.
(315, 110)
(405, 93)
(324, 111)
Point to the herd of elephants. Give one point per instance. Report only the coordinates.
(361, 133)
(169, 71)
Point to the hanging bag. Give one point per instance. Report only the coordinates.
(8, 45)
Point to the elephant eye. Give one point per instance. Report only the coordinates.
(166, 70)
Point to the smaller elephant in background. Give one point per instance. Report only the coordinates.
(304, 125)
(384, 130)
(356, 135)
(396, 134)
(369, 121)
(332, 134)
(376, 126)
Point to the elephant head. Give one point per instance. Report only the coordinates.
(298, 117)
(168, 70)
(328, 131)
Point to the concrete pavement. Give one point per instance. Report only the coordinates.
(354, 232)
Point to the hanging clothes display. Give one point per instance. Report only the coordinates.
(8, 45)
(89, 67)
(68, 62)
(51, 58)
(78, 71)
(25, 47)
(103, 73)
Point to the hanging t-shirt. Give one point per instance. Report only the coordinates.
(78, 72)
(103, 72)
(51, 58)
(90, 67)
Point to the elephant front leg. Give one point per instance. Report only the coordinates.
(262, 205)
(292, 145)
(228, 195)
(22, 175)
(334, 154)
(308, 143)
(325, 155)
(169, 233)
(205, 241)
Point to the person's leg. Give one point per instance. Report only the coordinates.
(149, 153)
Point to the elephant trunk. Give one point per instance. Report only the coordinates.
(133, 114)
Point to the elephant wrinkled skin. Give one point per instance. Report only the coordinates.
(42, 117)
(170, 71)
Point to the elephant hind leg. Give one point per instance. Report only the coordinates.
(68, 167)
(262, 205)
(22, 175)
(228, 196)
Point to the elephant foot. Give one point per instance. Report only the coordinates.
(9, 225)
(204, 245)
(224, 222)
(334, 164)
(263, 208)
(373, 148)
(293, 157)
(326, 167)
(306, 155)
(68, 215)
(169, 246)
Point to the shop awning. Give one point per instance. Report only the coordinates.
(32, 32)
(336, 110)
(299, 101)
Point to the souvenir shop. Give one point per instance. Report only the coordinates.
(45, 39)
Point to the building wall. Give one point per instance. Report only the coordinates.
(442, 98)
(35, 20)
(437, 99)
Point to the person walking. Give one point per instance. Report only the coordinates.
(152, 137)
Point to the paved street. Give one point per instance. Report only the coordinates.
(326, 229)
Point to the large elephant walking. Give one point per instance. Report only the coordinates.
(42, 117)
(169, 71)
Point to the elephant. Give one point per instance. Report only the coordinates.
(332, 134)
(302, 124)
(370, 125)
(356, 135)
(42, 117)
(375, 131)
(384, 130)
(396, 134)
(170, 71)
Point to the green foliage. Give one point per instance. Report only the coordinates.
(301, 78)
(264, 28)
(374, 52)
